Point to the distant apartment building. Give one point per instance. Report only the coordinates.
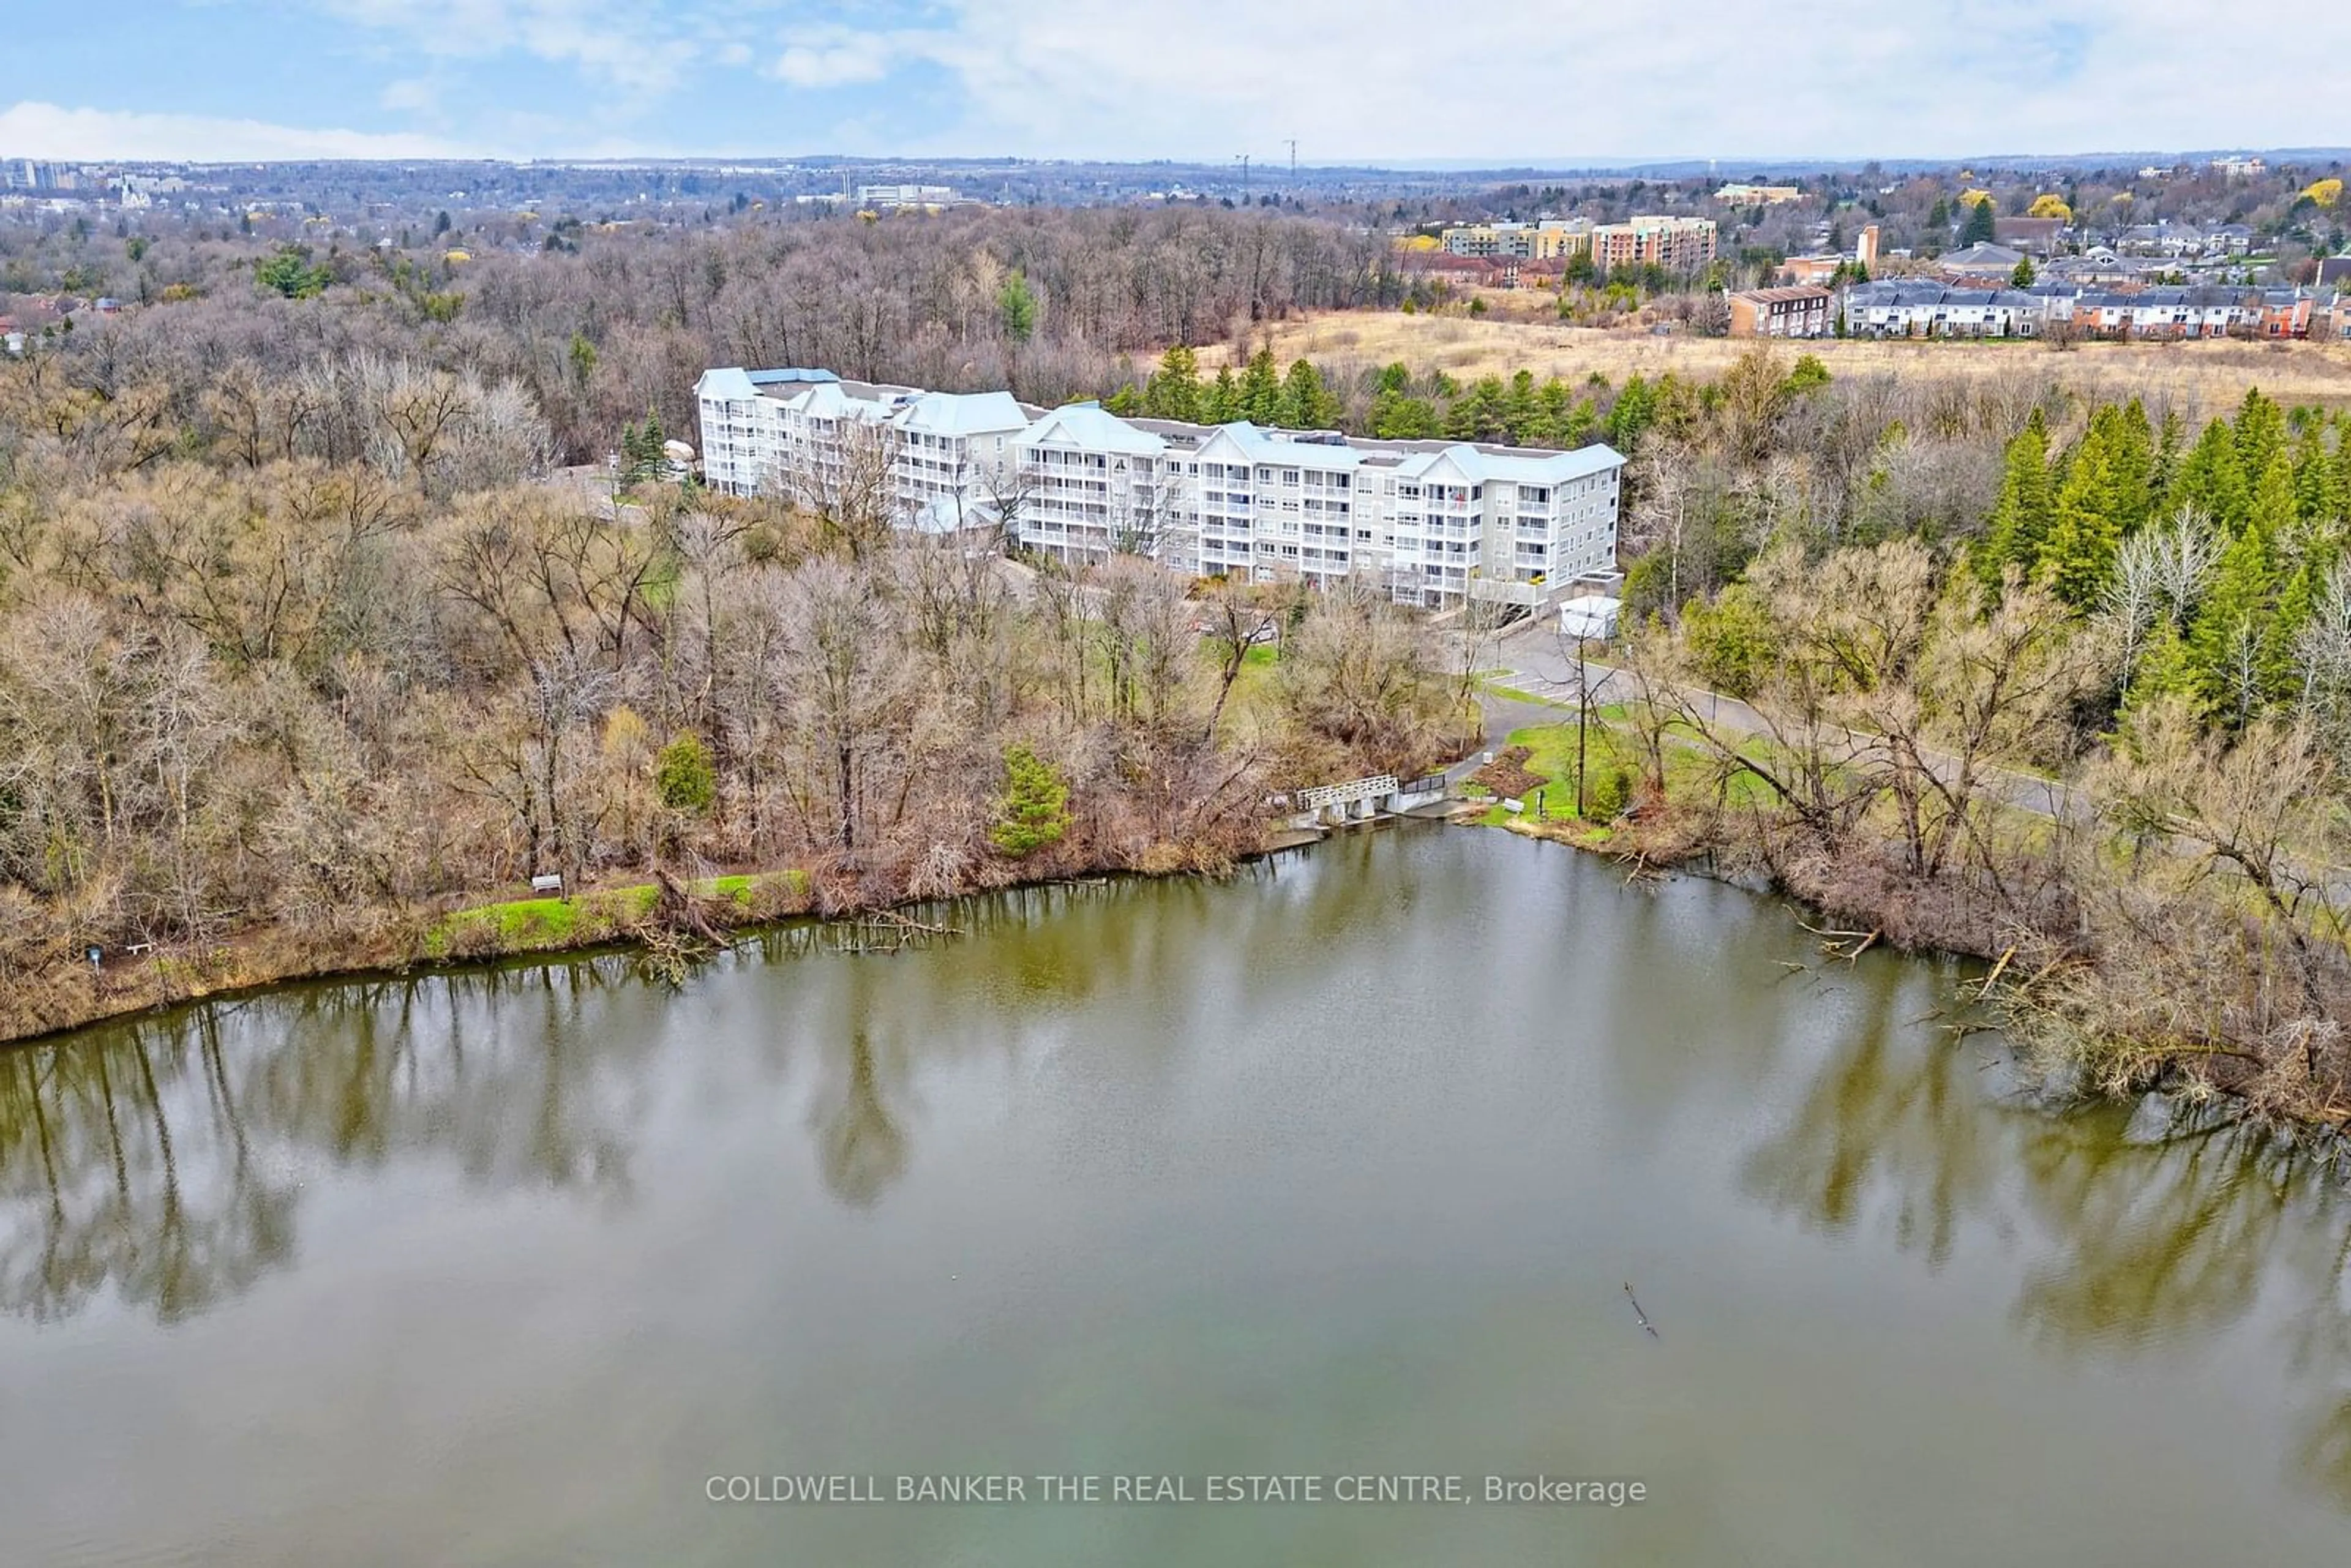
(1798, 312)
(1677, 245)
(1552, 239)
(1737, 194)
(2240, 168)
(1428, 523)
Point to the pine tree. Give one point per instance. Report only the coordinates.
(1174, 389)
(2021, 519)
(1521, 409)
(2166, 466)
(2343, 464)
(1222, 403)
(2212, 481)
(1016, 305)
(2260, 432)
(2165, 668)
(1305, 404)
(1979, 226)
(2130, 451)
(2078, 555)
(2224, 654)
(1260, 391)
(1034, 810)
(1634, 411)
(2314, 478)
(1481, 416)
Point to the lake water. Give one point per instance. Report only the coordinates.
(1335, 1170)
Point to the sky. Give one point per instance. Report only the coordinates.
(1206, 80)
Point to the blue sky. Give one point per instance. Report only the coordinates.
(1351, 80)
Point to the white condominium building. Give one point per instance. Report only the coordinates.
(1427, 521)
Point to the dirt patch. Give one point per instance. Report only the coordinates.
(1506, 775)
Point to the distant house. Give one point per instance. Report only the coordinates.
(1979, 260)
(2034, 236)
(2335, 270)
(1798, 312)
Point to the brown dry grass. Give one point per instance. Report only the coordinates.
(2208, 376)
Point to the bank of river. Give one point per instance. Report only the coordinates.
(1336, 1169)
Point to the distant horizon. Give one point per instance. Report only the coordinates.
(1145, 80)
(1730, 168)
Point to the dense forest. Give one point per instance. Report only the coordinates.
(304, 630)
(305, 641)
(2063, 683)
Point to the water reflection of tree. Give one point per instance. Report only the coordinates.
(1882, 1115)
(861, 1143)
(2152, 1246)
(159, 1159)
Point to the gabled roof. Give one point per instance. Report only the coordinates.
(1261, 445)
(961, 414)
(731, 385)
(1089, 427)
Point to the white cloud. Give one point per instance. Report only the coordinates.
(1389, 79)
(413, 95)
(633, 48)
(49, 130)
(820, 57)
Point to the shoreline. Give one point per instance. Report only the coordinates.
(259, 960)
(2189, 1107)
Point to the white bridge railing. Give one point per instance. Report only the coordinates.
(1322, 795)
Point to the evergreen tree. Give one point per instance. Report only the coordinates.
(2314, 478)
(2343, 462)
(683, 777)
(2260, 433)
(2078, 555)
(1634, 411)
(1481, 416)
(1395, 417)
(1034, 810)
(2027, 504)
(2129, 443)
(2166, 466)
(1261, 388)
(1016, 306)
(2212, 481)
(2225, 659)
(1978, 227)
(1222, 403)
(1395, 378)
(1521, 409)
(1174, 389)
(1554, 407)
(1305, 404)
(2166, 668)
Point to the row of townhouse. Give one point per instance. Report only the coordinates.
(1901, 308)
(1432, 522)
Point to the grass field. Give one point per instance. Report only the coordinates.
(2211, 375)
